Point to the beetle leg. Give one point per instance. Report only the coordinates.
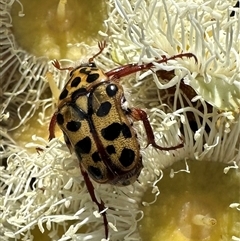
(57, 65)
(101, 45)
(101, 206)
(51, 127)
(138, 115)
(127, 69)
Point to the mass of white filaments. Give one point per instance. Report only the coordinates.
(153, 29)
(45, 189)
(23, 85)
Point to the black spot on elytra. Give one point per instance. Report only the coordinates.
(76, 81)
(78, 92)
(110, 149)
(60, 119)
(73, 126)
(111, 90)
(104, 109)
(127, 157)
(111, 132)
(64, 94)
(85, 71)
(95, 172)
(126, 131)
(96, 157)
(83, 146)
(92, 77)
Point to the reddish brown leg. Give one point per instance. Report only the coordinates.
(101, 206)
(127, 69)
(138, 115)
(57, 65)
(51, 127)
(101, 46)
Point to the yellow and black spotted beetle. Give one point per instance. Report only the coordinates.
(98, 126)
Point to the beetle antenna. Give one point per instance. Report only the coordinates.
(101, 46)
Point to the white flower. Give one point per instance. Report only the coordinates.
(23, 85)
(46, 189)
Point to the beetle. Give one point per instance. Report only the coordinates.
(97, 124)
